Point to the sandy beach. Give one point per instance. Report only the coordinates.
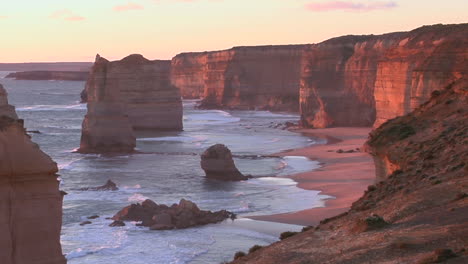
(344, 176)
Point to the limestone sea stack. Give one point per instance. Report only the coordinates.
(30, 200)
(146, 93)
(218, 164)
(5, 108)
(106, 127)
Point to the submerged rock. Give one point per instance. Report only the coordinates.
(162, 217)
(109, 186)
(218, 164)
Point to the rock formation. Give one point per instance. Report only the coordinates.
(417, 212)
(5, 108)
(50, 75)
(161, 217)
(356, 80)
(30, 200)
(263, 77)
(106, 127)
(149, 99)
(218, 164)
(109, 186)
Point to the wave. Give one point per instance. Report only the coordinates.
(211, 117)
(185, 139)
(52, 107)
(268, 114)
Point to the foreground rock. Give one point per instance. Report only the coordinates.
(161, 217)
(417, 212)
(106, 127)
(5, 108)
(109, 186)
(218, 164)
(30, 200)
(146, 94)
(50, 75)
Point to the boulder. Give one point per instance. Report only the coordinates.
(186, 214)
(218, 164)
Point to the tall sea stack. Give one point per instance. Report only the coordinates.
(30, 200)
(5, 108)
(106, 127)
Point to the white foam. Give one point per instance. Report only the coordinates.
(52, 107)
(187, 139)
(211, 117)
(137, 198)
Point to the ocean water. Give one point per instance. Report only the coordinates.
(166, 170)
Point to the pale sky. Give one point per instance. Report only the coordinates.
(75, 30)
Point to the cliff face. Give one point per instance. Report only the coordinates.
(106, 126)
(30, 200)
(264, 77)
(146, 93)
(5, 108)
(418, 210)
(362, 80)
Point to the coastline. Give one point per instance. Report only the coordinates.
(345, 176)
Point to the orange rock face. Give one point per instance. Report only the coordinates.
(30, 200)
(264, 77)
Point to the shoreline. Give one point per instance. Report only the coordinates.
(345, 176)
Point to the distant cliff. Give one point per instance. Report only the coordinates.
(263, 77)
(417, 212)
(50, 75)
(30, 200)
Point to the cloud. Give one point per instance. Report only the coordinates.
(66, 14)
(350, 6)
(127, 7)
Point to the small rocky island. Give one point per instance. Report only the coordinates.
(49, 75)
(218, 164)
(186, 214)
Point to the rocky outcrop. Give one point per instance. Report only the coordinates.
(359, 80)
(263, 77)
(30, 200)
(5, 108)
(109, 186)
(218, 164)
(106, 127)
(146, 93)
(50, 75)
(417, 212)
(186, 214)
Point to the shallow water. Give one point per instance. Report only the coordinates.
(167, 170)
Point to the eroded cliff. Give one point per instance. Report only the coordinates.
(417, 212)
(30, 200)
(5, 108)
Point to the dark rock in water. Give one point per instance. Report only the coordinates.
(162, 217)
(93, 217)
(34, 131)
(109, 186)
(218, 164)
(117, 223)
(85, 223)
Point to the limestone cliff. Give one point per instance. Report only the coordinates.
(30, 200)
(106, 126)
(262, 77)
(5, 108)
(146, 93)
(417, 212)
(359, 80)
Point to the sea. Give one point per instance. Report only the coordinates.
(165, 169)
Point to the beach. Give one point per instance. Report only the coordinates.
(345, 176)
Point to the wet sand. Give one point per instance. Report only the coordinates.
(344, 176)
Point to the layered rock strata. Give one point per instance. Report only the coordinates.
(146, 93)
(186, 214)
(359, 80)
(263, 77)
(417, 212)
(30, 200)
(5, 108)
(218, 164)
(106, 127)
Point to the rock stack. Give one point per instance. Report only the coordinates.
(5, 108)
(218, 164)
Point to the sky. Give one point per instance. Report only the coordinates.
(76, 30)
